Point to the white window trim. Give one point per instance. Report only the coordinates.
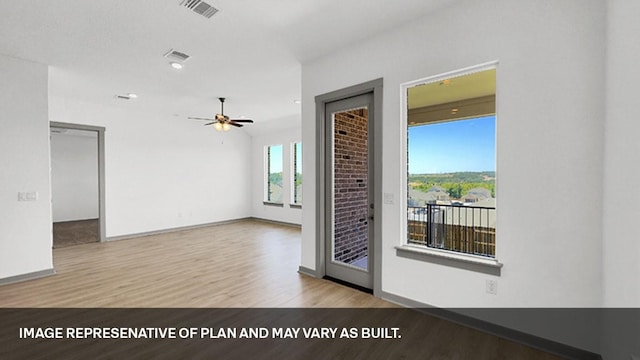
(450, 255)
(424, 250)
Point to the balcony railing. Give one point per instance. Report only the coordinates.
(464, 229)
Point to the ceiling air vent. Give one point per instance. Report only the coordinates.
(176, 56)
(200, 7)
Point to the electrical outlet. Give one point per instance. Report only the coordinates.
(492, 287)
(388, 198)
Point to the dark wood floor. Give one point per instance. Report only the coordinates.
(68, 233)
(245, 264)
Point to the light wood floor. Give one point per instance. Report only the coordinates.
(243, 264)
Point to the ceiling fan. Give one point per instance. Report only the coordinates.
(222, 122)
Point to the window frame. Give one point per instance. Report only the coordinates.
(267, 165)
(423, 252)
(294, 203)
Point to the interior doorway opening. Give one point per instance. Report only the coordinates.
(77, 184)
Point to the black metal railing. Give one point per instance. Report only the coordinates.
(465, 229)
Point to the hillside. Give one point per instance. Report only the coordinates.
(456, 184)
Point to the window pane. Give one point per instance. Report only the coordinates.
(274, 173)
(451, 182)
(297, 174)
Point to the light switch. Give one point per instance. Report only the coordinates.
(27, 196)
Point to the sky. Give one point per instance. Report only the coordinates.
(299, 157)
(275, 161)
(275, 158)
(463, 145)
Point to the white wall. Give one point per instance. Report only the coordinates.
(25, 227)
(74, 175)
(284, 137)
(621, 197)
(621, 248)
(164, 171)
(550, 113)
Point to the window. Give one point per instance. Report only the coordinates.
(451, 167)
(273, 183)
(296, 184)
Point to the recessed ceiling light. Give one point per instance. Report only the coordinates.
(132, 95)
(296, 101)
(176, 65)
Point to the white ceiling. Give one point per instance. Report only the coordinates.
(251, 51)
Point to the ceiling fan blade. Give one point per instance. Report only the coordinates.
(234, 124)
(211, 123)
(197, 118)
(242, 120)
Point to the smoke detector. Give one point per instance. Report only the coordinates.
(200, 7)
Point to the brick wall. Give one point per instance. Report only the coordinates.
(350, 175)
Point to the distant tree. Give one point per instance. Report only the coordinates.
(275, 178)
(455, 184)
(455, 191)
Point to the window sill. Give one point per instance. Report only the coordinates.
(272, 204)
(449, 258)
(295, 206)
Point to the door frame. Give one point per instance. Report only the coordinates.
(375, 87)
(101, 170)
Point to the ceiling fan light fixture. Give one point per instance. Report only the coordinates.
(222, 122)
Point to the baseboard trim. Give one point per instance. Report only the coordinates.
(306, 271)
(546, 345)
(277, 222)
(26, 277)
(170, 230)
